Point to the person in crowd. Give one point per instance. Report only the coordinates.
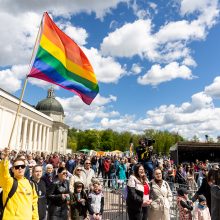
(161, 196)
(190, 179)
(87, 175)
(179, 178)
(170, 176)
(127, 165)
(78, 202)
(112, 175)
(49, 176)
(31, 161)
(201, 210)
(40, 187)
(94, 162)
(42, 163)
(58, 196)
(27, 173)
(55, 160)
(131, 167)
(101, 169)
(121, 174)
(96, 202)
(70, 164)
(202, 174)
(144, 153)
(106, 168)
(77, 177)
(184, 205)
(138, 194)
(215, 195)
(205, 188)
(23, 204)
(63, 164)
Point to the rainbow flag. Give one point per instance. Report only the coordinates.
(59, 60)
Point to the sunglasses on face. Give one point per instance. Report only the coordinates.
(78, 170)
(19, 166)
(64, 173)
(88, 163)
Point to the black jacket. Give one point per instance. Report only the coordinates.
(204, 190)
(57, 206)
(42, 200)
(135, 194)
(180, 179)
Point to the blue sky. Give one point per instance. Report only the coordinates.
(157, 62)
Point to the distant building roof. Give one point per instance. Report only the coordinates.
(50, 104)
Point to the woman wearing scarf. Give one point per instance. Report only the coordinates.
(138, 194)
(161, 196)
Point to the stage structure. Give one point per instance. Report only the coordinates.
(190, 151)
(39, 128)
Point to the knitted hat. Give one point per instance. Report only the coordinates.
(201, 198)
(182, 191)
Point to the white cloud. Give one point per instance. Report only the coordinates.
(124, 43)
(42, 84)
(198, 117)
(136, 69)
(170, 43)
(17, 37)
(213, 89)
(157, 74)
(77, 112)
(63, 8)
(107, 70)
(191, 6)
(189, 61)
(11, 79)
(79, 35)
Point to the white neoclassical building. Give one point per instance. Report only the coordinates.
(37, 129)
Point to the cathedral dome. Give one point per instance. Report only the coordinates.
(50, 104)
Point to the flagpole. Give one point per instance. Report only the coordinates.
(25, 83)
(18, 110)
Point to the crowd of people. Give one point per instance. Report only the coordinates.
(56, 186)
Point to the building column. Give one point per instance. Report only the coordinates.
(39, 138)
(24, 137)
(43, 146)
(35, 136)
(30, 143)
(47, 139)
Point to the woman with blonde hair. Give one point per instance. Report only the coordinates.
(77, 177)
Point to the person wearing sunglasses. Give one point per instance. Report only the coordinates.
(87, 174)
(23, 203)
(76, 177)
(59, 196)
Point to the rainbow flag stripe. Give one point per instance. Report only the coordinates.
(59, 60)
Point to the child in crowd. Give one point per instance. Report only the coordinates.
(202, 210)
(78, 202)
(96, 201)
(184, 205)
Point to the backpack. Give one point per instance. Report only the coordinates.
(10, 194)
